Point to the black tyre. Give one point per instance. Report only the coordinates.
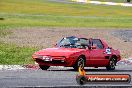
(43, 67)
(112, 64)
(81, 80)
(79, 62)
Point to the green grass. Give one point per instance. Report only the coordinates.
(64, 21)
(42, 13)
(51, 14)
(12, 54)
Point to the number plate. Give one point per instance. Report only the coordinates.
(45, 58)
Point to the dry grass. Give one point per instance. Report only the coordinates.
(45, 37)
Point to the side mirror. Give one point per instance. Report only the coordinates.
(93, 47)
(110, 47)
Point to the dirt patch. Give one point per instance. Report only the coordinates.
(46, 37)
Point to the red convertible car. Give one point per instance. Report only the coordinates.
(75, 51)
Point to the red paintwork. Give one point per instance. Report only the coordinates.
(68, 56)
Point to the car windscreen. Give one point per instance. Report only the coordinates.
(73, 42)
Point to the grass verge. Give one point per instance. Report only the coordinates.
(30, 13)
(12, 54)
(18, 20)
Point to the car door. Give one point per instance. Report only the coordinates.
(97, 57)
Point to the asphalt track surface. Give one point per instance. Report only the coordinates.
(57, 77)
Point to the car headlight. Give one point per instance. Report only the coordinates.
(36, 56)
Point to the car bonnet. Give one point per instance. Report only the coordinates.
(58, 51)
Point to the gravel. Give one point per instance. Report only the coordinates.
(46, 37)
(126, 35)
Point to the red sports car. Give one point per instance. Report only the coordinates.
(75, 51)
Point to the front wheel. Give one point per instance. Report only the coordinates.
(43, 67)
(111, 65)
(81, 80)
(80, 62)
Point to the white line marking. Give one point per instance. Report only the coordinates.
(11, 67)
(105, 3)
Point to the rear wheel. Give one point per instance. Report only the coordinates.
(43, 67)
(111, 65)
(80, 62)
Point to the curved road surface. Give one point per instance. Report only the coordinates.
(56, 77)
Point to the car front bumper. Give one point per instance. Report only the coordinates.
(56, 61)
